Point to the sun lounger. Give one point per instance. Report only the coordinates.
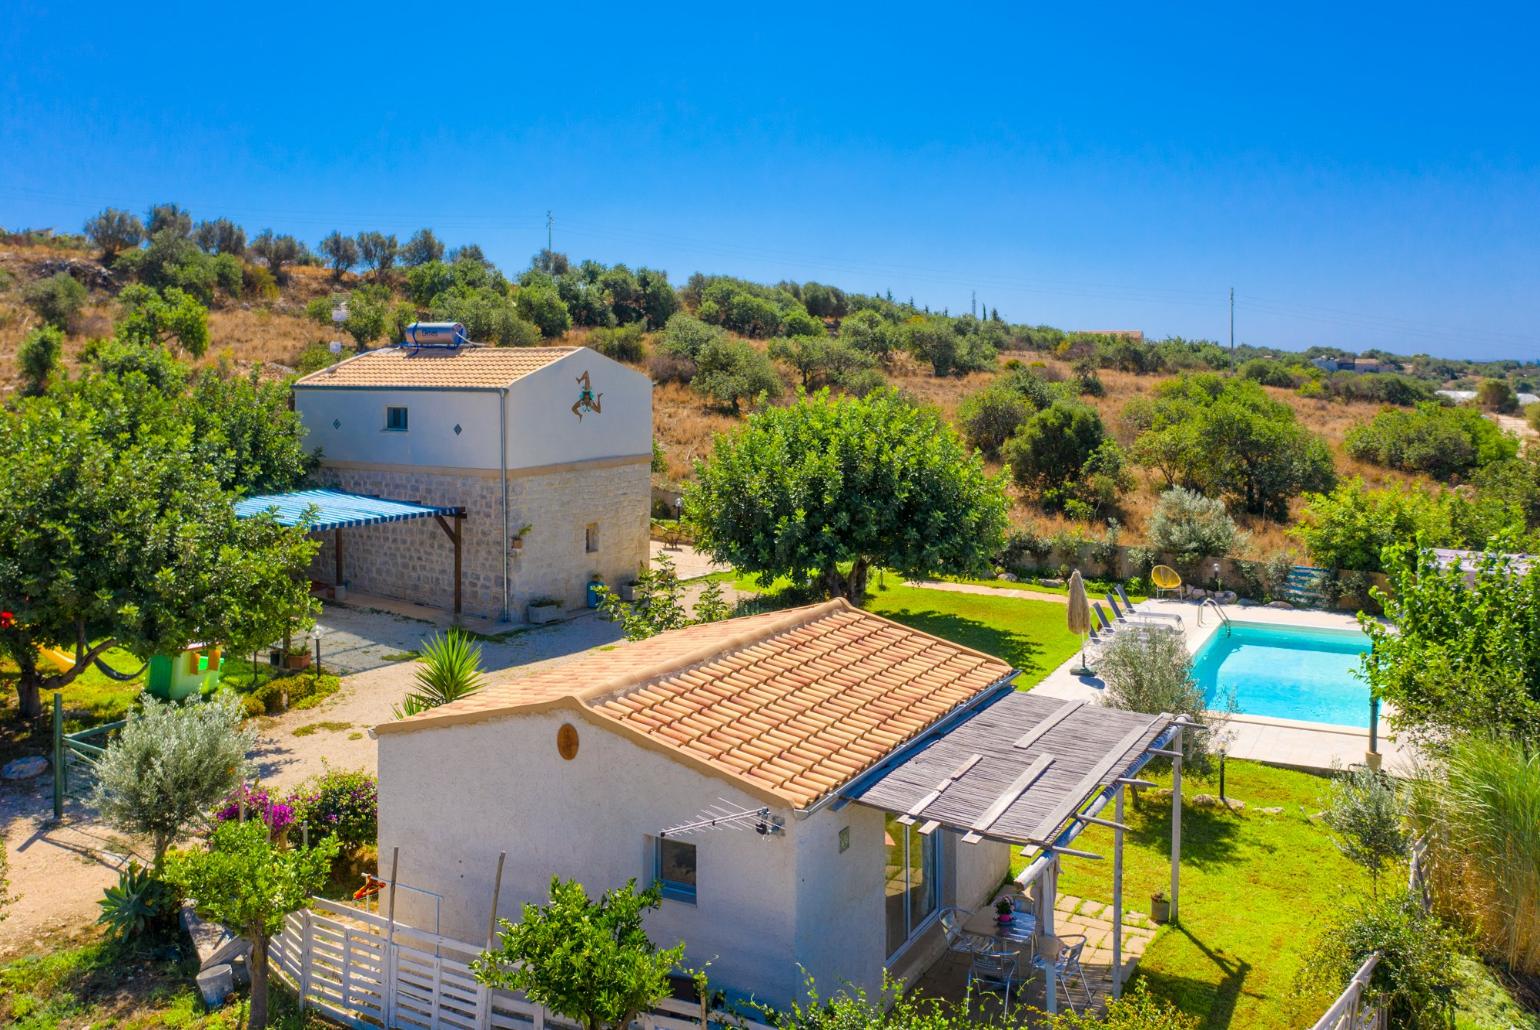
(1129, 615)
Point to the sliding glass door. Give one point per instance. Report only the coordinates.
(913, 879)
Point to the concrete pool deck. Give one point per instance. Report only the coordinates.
(1299, 745)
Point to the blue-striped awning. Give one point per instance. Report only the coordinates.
(320, 510)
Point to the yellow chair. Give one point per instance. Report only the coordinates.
(1165, 578)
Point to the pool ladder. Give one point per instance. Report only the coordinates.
(1209, 602)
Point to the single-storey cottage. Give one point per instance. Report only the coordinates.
(810, 788)
(543, 452)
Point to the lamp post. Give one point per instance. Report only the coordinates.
(315, 634)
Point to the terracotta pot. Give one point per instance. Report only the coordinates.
(297, 661)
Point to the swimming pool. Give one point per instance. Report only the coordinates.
(1286, 672)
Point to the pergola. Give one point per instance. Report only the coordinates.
(1033, 771)
(320, 511)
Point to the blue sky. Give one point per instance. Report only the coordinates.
(1363, 177)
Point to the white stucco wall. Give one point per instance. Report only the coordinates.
(542, 430)
(348, 424)
(451, 798)
(430, 439)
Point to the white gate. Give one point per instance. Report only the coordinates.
(361, 970)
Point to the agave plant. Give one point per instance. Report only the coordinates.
(135, 903)
(449, 669)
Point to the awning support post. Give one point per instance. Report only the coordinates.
(338, 552)
(1050, 883)
(455, 536)
(1117, 896)
(1176, 820)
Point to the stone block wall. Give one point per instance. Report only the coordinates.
(414, 561)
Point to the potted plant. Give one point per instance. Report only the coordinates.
(543, 610)
(1004, 912)
(1160, 907)
(518, 538)
(297, 658)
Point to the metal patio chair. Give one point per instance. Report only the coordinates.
(1066, 965)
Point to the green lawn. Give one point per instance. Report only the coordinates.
(1031, 635)
(1095, 588)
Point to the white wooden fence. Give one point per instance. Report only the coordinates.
(1350, 1012)
(360, 969)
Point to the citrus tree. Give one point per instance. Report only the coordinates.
(825, 489)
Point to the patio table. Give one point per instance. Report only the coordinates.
(1017, 937)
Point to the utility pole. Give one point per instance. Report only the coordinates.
(549, 221)
(1232, 328)
(973, 303)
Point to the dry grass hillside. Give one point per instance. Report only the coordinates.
(271, 334)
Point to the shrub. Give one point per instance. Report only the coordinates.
(1268, 372)
(623, 343)
(1496, 395)
(543, 306)
(1350, 527)
(315, 357)
(345, 804)
(139, 903)
(685, 336)
(38, 357)
(1416, 978)
(1150, 670)
(303, 690)
(1441, 441)
(449, 668)
(869, 332)
(729, 371)
(992, 416)
(1191, 526)
(670, 368)
(253, 801)
(822, 360)
(1062, 456)
(56, 299)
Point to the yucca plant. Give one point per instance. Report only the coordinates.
(1482, 814)
(449, 669)
(135, 903)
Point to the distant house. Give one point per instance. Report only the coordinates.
(543, 452)
(810, 789)
(1134, 335)
(1361, 365)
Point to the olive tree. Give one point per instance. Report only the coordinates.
(827, 488)
(1149, 670)
(169, 766)
(1366, 812)
(1191, 526)
(276, 252)
(114, 230)
(341, 253)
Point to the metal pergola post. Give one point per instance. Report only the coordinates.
(1117, 895)
(1176, 819)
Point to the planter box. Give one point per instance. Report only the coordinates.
(628, 591)
(540, 614)
(297, 661)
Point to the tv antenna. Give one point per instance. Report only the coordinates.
(722, 814)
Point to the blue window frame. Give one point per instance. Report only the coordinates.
(395, 420)
(674, 869)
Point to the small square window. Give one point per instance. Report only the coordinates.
(675, 869)
(591, 538)
(395, 420)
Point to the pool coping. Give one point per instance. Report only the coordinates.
(1288, 742)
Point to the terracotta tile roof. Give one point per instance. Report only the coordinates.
(468, 366)
(791, 704)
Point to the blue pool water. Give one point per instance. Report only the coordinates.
(1287, 672)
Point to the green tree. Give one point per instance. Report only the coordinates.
(868, 331)
(249, 883)
(277, 252)
(1456, 657)
(1053, 445)
(220, 236)
(169, 218)
(341, 253)
(1150, 671)
(377, 251)
(38, 357)
(56, 299)
(588, 961)
(659, 604)
(169, 766)
(543, 306)
(730, 371)
(1442, 441)
(114, 532)
(243, 429)
(821, 360)
(421, 248)
(659, 301)
(114, 230)
(1350, 527)
(828, 488)
(156, 318)
(686, 336)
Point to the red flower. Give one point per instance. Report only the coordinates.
(7, 620)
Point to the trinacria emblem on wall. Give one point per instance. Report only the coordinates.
(587, 399)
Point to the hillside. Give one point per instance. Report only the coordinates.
(272, 333)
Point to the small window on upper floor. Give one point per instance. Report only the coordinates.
(591, 538)
(395, 420)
